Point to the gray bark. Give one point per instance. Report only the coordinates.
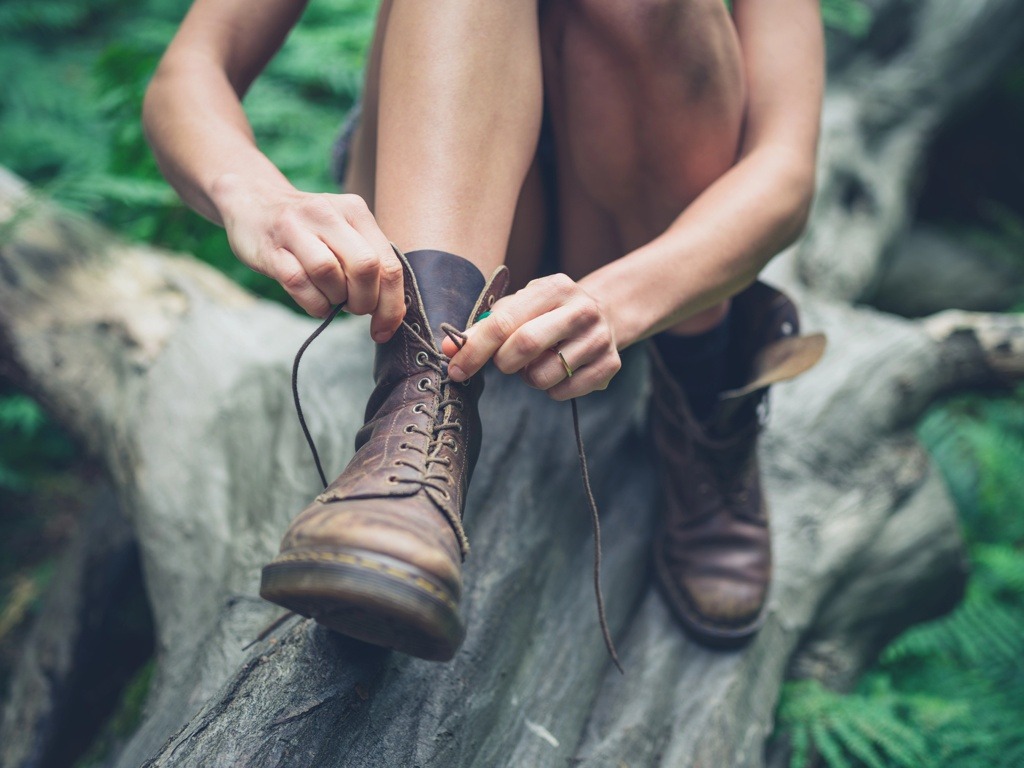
(921, 63)
(123, 341)
(930, 271)
(179, 382)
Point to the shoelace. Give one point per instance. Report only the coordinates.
(437, 437)
(459, 338)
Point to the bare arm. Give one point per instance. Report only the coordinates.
(711, 251)
(725, 237)
(324, 249)
(192, 112)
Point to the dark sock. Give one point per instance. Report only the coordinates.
(449, 286)
(699, 364)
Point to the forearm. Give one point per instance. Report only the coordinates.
(200, 136)
(714, 248)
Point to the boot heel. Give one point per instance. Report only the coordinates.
(368, 596)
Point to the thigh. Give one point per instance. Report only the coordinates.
(647, 100)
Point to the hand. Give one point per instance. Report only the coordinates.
(323, 249)
(525, 332)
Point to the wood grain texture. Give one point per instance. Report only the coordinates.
(178, 381)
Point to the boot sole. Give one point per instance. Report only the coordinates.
(368, 596)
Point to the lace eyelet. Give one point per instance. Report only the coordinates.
(415, 327)
(393, 479)
(421, 358)
(408, 299)
(403, 447)
(419, 408)
(421, 385)
(409, 429)
(490, 301)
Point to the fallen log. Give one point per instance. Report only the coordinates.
(178, 381)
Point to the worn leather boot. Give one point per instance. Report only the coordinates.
(712, 552)
(377, 556)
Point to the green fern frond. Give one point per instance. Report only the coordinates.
(981, 631)
(859, 738)
(850, 16)
(842, 729)
(41, 16)
(978, 444)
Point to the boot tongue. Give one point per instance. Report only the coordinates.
(449, 287)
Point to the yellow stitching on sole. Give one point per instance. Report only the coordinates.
(364, 562)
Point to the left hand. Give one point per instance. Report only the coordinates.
(525, 332)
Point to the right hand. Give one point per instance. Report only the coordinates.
(323, 249)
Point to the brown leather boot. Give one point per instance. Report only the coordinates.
(712, 552)
(378, 555)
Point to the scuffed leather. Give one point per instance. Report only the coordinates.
(712, 554)
(384, 506)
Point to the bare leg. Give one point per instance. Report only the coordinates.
(454, 109)
(478, 184)
(458, 119)
(646, 116)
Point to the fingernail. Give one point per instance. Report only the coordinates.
(456, 373)
(381, 336)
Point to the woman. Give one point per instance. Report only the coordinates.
(661, 150)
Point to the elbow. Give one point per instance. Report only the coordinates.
(152, 101)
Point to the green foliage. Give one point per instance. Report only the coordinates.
(843, 730)
(948, 693)
(850, 16)
(29, 443)
(69, 122)
(979, 446)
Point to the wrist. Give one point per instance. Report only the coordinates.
(627, 313)
(230, 193)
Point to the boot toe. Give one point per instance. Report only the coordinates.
(414, 537)
(726, 603)
(715, 611)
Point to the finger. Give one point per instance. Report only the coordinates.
(391, 299)
(531, 341)
(547, 370)
(587, 379)
(321, 266)
(486, 336)
(360, 265)
(389, 279)
(286, 269)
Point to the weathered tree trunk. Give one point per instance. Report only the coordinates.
(179, 382)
